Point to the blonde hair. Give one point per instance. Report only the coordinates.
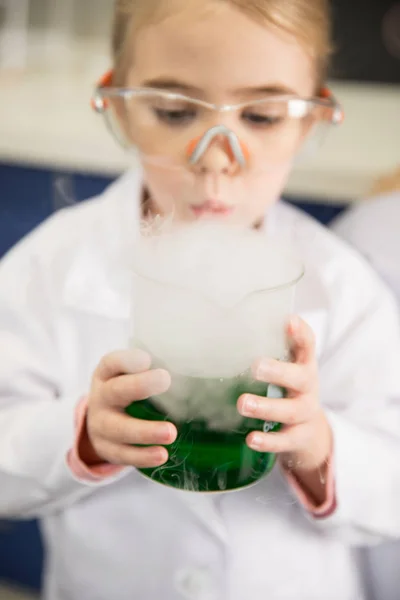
(309, 21)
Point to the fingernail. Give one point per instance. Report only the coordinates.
(160, 456)
(294, 323)
(166, 432)
(265, 368)
(250, 405)
(163, 379)
(256, 441)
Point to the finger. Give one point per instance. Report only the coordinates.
(123, 362)
(290, 439)
(119, 428)
(290, 376)
(286, 411)
(302, 340)
(125, 389)
(132, 456)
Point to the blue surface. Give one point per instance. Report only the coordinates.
(28, 196)
(21, 553)
(325, 213)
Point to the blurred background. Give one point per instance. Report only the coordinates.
(54, 151)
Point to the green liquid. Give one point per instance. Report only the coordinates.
(208, 455)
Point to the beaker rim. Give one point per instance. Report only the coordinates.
(262, 290)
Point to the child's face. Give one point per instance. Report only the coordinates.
(223, 57)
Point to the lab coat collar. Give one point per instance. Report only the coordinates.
(99, 277)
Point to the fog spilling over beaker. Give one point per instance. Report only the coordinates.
(209, 300)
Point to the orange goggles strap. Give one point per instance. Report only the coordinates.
(101, 104)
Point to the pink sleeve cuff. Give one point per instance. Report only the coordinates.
(77, 466)
(328, 507)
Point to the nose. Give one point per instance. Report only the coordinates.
(217, 160)
(217, 153)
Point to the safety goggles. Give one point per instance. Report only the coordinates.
(175, 130)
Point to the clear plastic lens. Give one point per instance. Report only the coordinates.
(161, 126)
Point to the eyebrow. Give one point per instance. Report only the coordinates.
(269, 90)
(172, 85)
(180, 86)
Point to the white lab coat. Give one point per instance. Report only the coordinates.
(373, 227)
(64, 303)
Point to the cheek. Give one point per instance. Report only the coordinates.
(167, 187)
(267, 188)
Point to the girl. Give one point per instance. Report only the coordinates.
(217, 96)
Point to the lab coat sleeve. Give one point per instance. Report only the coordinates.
(36, 420)
(372, 228)
(356, 227)
(360, 388)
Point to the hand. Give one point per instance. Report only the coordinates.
(112, 436)
(304, 443)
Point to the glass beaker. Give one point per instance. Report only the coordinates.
(209, 351)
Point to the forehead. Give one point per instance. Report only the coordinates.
(218, 50)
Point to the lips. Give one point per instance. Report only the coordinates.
(212, 208)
